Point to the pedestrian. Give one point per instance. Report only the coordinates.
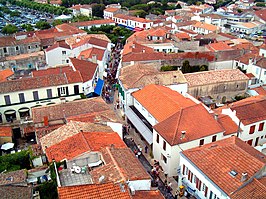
(176, 194)
(146, 149)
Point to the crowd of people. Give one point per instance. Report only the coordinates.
(111, 71)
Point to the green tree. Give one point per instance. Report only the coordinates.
(186, 67)
(15, 14)
(42, 25)
(140, 13)
(178, 6)
(9, 29)
(57, 22)
(97, 10)
(27, 27)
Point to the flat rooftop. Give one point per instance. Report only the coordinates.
(67, 178)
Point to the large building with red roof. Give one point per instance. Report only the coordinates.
(228, 168)
(172, 122)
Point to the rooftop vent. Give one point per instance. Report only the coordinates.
(244, 177)
(233, 173)
(183, 134)
(101, 179)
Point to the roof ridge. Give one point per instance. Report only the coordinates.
(177, 125)
(115, 163)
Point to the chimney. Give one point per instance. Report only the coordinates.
(183, 134)
(45, 121)
(244, 177)
(250, 61)
(143, 50)
(82, 57)
(133, 46)
(215, 116)
(94, 58)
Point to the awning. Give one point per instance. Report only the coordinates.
(7, 146)
(141, 127)
(23, 110)
(99, 87)
(9, 112)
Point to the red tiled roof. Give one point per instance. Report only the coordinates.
(60, 111)
(51, 71)
(111, 9)
(228, 124)
(39, 82)
(4, 74)
(182, 35)
(61, 44)
(206, 26)
(86, 68)
(127, 17)
(231, 154)
(250, 111)
(19, 176)
(81, 143)
(5, 131)
(214, 77)
(16, 191)
(120, 165)
(250, 75)
(98, 42)
(133, 47)
(86, 54)
(255, 189)
(261, 14)
(195, 120)
(220, 46)
(152, 194)
(161, 102)
(93, 191)
(260, 90)
(93, 23)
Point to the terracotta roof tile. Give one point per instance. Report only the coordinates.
(111, 9)
(261, 14)
(88, 54)
(206, 26)
(165, 101)
(13, 177)
(60, 111)
(228, 124)
(140, 75)
(148, 195)
(214, 77)
(38, 82)
(195, 120)
(93, 191)
(134, 47)
(21, 192)
(182, 35)
(255, 189)
(5, 131)
(232, 154)
(260, 90)
(120, 165)
(86, 68)
(220, 46)
(70, 129)
(4, 74)
(92, 23)
(250, 111)
(50, 71)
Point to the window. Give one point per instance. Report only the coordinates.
(265, 72)
(203, 187)
(191, 177)
(49, 93)
(236, 63)
(67, 61)
(164, 159)
(184, 169)
(164, 145)
(261, 126)
(195, 179)
(257, 141)
(36, 46)
(35, 95)
(7, 99)
(63, 52)
(16, 47)
(62, 91)
(157, 138)
(214, 138)
(201, 142)
(28, 47)
(252, 129)
(21, 97)
(5, 50)
(250, 142)
(76, 89)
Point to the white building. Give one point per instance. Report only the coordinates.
(18, 97)
(172, 122)
(132, 22)
(109, 12)
(247, 28)
(60, 52)
(223, 169)
(87, 25)
(204, 28)
(249, 115)
(85, 10)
